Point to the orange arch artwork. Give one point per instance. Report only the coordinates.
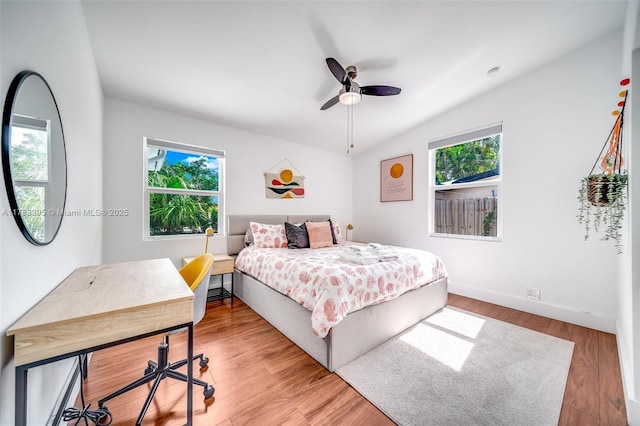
(284, 181)
(396, 179)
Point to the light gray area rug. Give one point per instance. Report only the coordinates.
(459, 368)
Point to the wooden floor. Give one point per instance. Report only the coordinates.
(261, 378)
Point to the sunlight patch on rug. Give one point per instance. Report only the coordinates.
(444, 347)
(458, 322)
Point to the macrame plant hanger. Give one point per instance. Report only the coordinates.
(612, 161)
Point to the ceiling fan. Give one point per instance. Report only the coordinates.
(351, 92)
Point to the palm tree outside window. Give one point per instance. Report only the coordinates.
(183, 191)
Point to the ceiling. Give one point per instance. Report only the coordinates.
(260, 66)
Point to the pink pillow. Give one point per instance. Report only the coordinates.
(268, 236)
(319, 234)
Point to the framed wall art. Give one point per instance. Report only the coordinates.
(396, 179)
(284, 181)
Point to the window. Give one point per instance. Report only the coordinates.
(30, 138)
(466, 183)
(183, 189)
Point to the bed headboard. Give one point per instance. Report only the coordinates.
(239, 223)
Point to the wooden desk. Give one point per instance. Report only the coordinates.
(100, 306)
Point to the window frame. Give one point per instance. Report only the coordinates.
(458, 139)
(147, 190)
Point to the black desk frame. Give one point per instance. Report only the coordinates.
(22, 370)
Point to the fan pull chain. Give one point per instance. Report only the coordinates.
(349, 128)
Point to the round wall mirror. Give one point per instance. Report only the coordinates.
(34, 159)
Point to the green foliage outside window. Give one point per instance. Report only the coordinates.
(29, 158)
(172, 214)
(32, 209)
(194, 175)
(467, 159)
(29, 167)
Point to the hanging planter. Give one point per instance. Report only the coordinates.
(603, 196)
(604, 189)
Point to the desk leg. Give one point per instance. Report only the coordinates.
(85, 366)
(21, 396)
(190, 376)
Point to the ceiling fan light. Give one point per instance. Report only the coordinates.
(350, 98)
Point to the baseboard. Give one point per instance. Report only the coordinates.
(626, 356)
(560, 313)
(633, 411)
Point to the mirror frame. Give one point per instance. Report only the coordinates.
(12, 94)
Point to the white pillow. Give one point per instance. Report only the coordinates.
(268, 236)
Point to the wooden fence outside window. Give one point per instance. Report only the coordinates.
(469, 216)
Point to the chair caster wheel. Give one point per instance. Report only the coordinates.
(208, 391)
(204, 362)
(106, 418)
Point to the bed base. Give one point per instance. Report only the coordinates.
(356, 334)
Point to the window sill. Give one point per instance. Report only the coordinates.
(179, 237)
(466, 237)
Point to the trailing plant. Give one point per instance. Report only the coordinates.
(603, 200)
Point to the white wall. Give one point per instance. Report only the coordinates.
(51, 39)
(555, 121)
(328, 177)
(628, 324)
(628, 331)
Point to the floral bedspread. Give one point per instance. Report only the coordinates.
(331, 287)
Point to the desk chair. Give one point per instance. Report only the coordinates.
(196, 274)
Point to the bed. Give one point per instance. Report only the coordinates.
(339, 339)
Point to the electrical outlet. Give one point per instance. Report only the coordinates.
(533, 294)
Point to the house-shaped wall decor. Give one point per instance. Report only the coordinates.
(284, 181)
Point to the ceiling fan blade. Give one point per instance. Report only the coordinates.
(337, 70)
(331, 102)
(380, 90)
